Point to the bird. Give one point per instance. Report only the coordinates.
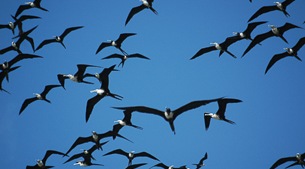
(17, 23)
(200, 163)
(145, 4)
(161, 165)
(131, 155)
(15, 46)
(41, 96)
(289, 52)
(278, 6)
(246, 34)
(86, 163)
(102, 76)
(16, 59)
(222, 47)
(134, 166)
(29, 5)
(4, 74)
(58, 39)
(125, 57)
(41, 164)
(77, 77)
(220, 114)
(298, 160)
(275, 31)
(116, 43)
(95, 138)
(168, 115)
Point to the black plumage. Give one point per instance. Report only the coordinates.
(4, 74)
(161, 165)
(41, 164)
(200, 163)
(18, 22)
(29, 5)
(298, 160)
(125, 57)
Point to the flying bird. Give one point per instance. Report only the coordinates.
(145, 4)
(125, 57)
(16, 59)
(200, 163)
(298, 160)
(103, 76)
(29, 5)
(4, 74)
(17, 23)
(134, 166)
(41, 96)
(220, 114)
(161, 165)
(86, 163)
(41, 164)
(278, 6)
(289, 52)
(116, 43)
(277, 32)
(131, 155)
(77, 77)
(168, 115)
(222, 47)
(58, 39)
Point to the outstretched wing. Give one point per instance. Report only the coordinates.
(203, 51)
(134, 11)
(274, 59)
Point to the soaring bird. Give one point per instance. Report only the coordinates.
(220, 114)
(168, 115)
(41, 164)
(58, 39)
(29, 5)
(246, 34)
(95, 138)
(134, 166)
(145, 4)
(77, 77)
(278, 6)
(16, 59)
(131, 155)
(289, 52)
(298, 160)
(86, 162)
(4, 74)
(116, 43)
(161, 165)
(222, 47)
(17, 23)
(104, 75)
(125, 57)
(200, 163)
(41, 96)
(277, 32)
(16, 45)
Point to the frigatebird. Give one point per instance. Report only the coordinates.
(278, 6)
(41, 164)
(29, 5)
(58, 39)
(125, 57)
(116, 43)
(131, 155)
(103, 76)
(41, 96)
(16, 45)
(134, 166)
(77, 77)
(86, 162)
(145, 4)
(298, 160)
(168, 115)
(161, 165)
(289, 52)
(220, 114)
(95, 138)
(16, 59)
(4, 74)
(275, 31)
(200, 163)
(17, 23)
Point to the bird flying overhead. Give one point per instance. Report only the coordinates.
(4, 74)
(18, 22)
(200, 163)
(42, 163)
(125, 57)
(298, 160)
(29, 5)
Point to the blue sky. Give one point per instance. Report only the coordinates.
(269, 121)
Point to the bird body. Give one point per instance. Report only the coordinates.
(298, 160)
(29, 5)
(41, 164)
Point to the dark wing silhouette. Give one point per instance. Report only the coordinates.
(22, 56)
(207, 120)
(203, 51)
(257, 40)
(4, 74)
(160, 165)
(68, 30)
(45, 42)
(49, 153)
(222, 105)
(114, 56)
(133, 166)
(299, 44)
(26, 103)
(47, 89)
(102, 46)
(263, 10)
(117, 151)
(91, 103)
(78, 141)
(123, 36)
(282, 161)
(21, 8)
(252, 26)
(134, 11)
(276, 58)
(138, 55)
(145, 154)
(143, 109)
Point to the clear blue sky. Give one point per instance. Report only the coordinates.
(269, 121)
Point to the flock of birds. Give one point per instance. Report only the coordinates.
(103, 91)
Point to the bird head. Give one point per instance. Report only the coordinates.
(167, 109)
(271, 26)
(97, 75)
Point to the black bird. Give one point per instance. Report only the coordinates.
(125, 57)
(289, 52)
(298, 158)
(95, 138)
(16, 46)
(4, 74)
(58, 39)
(77, 77)
(41, 96)
(220, 114)
(278, 6)
(131, 155)
(16, 59)
(201, 164)
(222, 47)
(161, 165)
(101, 93)
(17, 23)
(41, 164)
(104, 75)
(86, 163)
(116, 43)
(29, 5)
(168, 114)
(277, 32)
(246, 34)
(134, 166)
(145, 4)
